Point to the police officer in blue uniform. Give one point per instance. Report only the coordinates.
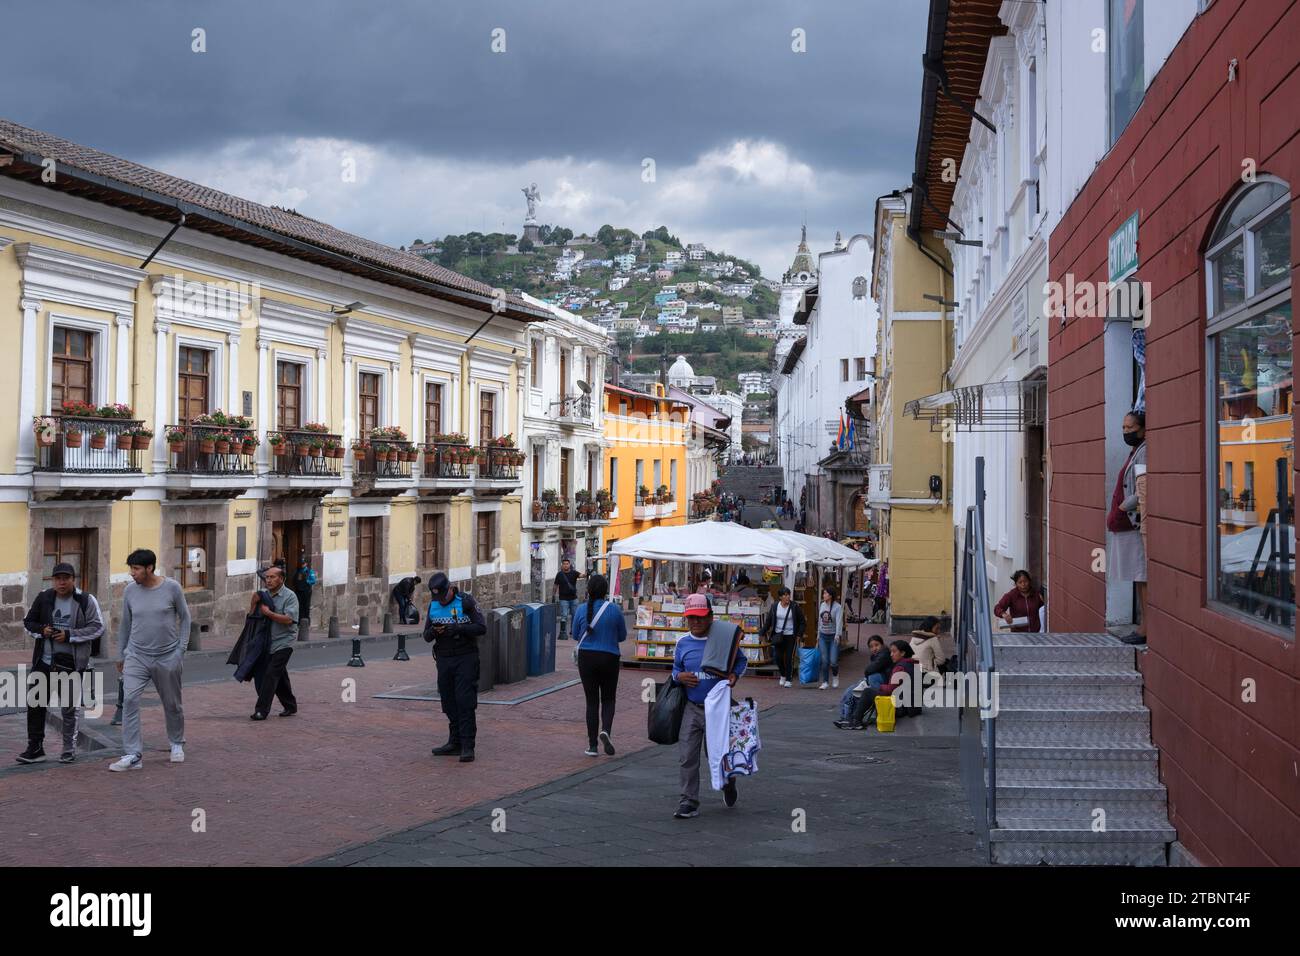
(453, 626)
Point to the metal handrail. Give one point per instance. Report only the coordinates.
(975, 638)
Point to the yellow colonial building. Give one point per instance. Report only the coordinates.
(647, 438)
(229, 384)
(908, 484)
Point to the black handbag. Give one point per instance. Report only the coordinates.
(664, 720)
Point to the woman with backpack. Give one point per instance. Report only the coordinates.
(599, 628)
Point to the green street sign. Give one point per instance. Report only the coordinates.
(1122, 249)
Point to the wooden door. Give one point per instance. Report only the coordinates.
(193, 376)
(71, 367)
(367, 403)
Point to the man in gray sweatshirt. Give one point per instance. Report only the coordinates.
(151, 639)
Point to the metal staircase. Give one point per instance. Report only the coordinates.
(1062, 770)
(1077, 778)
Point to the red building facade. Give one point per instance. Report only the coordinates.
(1221, 673)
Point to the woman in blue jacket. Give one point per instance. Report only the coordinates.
(599, 627)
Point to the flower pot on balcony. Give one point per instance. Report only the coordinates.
(303, 450)
(409, 455)
(314, 451)
(176, 447)
(125, 442)
(250, 447)
(98, 441)
(223, 447)
(207, 446)
(280, 450)
(141, 442)
(72, 439)
(537, 511)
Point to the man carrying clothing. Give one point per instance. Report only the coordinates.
(65, 621)
(271, 678)
(453, 628)
(151, 639)
(566, 592)
(688, 663)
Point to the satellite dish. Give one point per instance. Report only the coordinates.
(586, 389)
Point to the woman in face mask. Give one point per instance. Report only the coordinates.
(1127, 553)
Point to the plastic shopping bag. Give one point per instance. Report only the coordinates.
(810, 664)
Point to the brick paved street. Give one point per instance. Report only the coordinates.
(355, 783)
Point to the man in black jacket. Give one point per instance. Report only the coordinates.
(64, 621)
(453, 628)
(402, 592)
(783, 627)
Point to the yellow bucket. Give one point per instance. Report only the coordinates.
(885, 714)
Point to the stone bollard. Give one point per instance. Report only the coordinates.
(388, 623)
(333, 631)
(195, 641)
(401, 654)
(363, 629)
(304, 628)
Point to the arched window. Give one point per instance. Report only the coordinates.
(1249, 329)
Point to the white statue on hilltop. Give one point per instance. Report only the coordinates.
(532, 194)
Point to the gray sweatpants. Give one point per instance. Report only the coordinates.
(165, 672)
(689, 742)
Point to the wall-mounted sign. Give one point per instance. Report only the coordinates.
(248, 404)
(1122, 249)
(336, 509)
(1019, 324)
(241, 513)
(337, 524)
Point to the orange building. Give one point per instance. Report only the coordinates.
(646, 459)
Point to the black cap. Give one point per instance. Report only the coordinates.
(438, 584)
(63, 568)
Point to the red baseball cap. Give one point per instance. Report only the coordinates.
(697, 605)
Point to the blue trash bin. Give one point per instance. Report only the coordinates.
(540, 621)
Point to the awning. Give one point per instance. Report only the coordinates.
(806, 304)
(991, 407)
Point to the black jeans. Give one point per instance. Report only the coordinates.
(304, 603)
(271, 678)
(458, 690)
(783, 648)
(599, 673)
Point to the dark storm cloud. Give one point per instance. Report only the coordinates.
(595, 79)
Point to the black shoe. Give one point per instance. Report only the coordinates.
(686, 810)
(288, 713)
(609, 744)
(256, 716)
(449, 749)
(843, 724)
(33, 754)
(1135, 639)
(729, 794)
(68, 756)
(467, 755)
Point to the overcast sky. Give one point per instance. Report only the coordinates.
(746, 135)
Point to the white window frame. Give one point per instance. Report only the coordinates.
(216, 377)
(448, 397)
(307, 388)
(1254, 303)
(360, 367)
(99, 346)
(498, 408)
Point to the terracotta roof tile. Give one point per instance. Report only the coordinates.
(291, 225)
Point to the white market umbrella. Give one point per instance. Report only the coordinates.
(1237, 551)
(708, 542)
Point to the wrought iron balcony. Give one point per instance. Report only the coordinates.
(72, 444)
(447, 461)
(387, 459)
(499, 463)
(304, 454)
(210, 450)
(573, 410)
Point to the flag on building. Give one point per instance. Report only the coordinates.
(851, 442)
(839, 438)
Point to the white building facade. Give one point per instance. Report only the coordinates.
(827, 365)
(563, 434)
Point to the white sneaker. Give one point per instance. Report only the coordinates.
(835, 682)
(128, 762)
(823, 686)
(786, 683)
(178, 753)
